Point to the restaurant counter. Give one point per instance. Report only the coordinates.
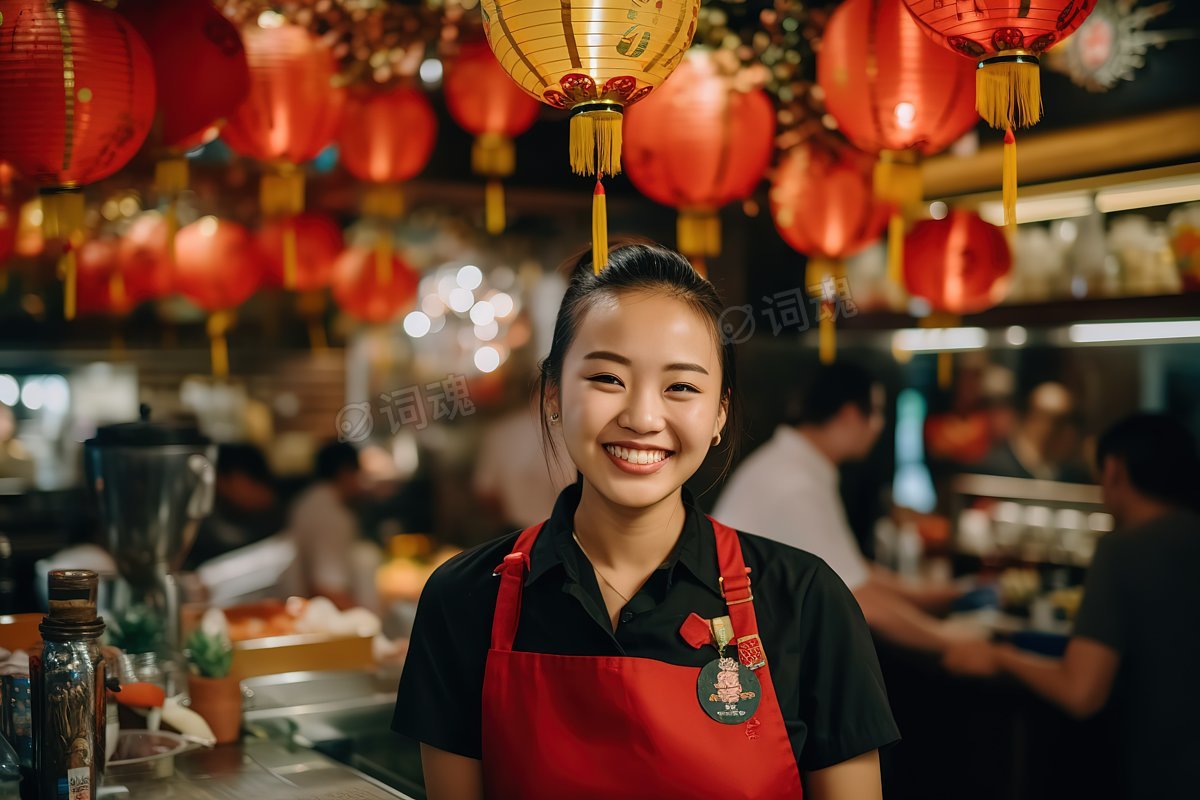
(258, 769)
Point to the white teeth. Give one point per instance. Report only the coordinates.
(636, 456)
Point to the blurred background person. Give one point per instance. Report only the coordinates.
(787, 490)
(323, 525)
(1045, 442)
(1135, 642)
(246, 505)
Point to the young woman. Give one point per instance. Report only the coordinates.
(630, 647)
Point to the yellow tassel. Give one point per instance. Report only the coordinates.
(895, 249)
(493, 207)
(827, 340)
(1008, 90)
(311, 306)
(599, 229)
(897, 179)
(62, 219)
(698, 233)
(493, 155)
(289, 255)
(171, 176)
(945, 370)
(1009, 181)
(172, 220)
(383, 258)
(385, 201)
(819, 271)
(219, 324)
(116, 291)
(596, 140)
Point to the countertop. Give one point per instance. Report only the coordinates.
(258, 769)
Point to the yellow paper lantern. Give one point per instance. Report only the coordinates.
(592, 59)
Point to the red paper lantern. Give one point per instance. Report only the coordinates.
(696, 144)
(959, 264)
(318, 244)
(371, 294)
(77, 87)
(217, 264)
(824, 206)
(199, 64)
(387, 137)
(484, 101)
(144, 257)
(101, 288)
(10, 216)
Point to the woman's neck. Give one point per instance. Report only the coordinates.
(623, 538)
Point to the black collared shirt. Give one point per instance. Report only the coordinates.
(822, 659)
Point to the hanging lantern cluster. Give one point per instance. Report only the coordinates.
(292, 113)
(364, 293)
(485, 102)
(1005, 39)
(77, 86)
(593, 60)
(824, 206)
(697, 144)
(896, 95)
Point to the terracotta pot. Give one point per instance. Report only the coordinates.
(219, 701)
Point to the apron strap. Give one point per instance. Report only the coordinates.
(735, 588)
(512, 582)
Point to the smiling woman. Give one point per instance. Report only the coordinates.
(623, 629)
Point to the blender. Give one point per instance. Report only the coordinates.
(154, 482)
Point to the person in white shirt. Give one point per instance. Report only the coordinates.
(787, 490)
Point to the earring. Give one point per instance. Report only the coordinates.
(716, 440)
(554, 418)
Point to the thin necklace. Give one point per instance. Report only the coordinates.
(596, 569)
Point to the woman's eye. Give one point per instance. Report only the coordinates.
(682, 387)
(612, 380)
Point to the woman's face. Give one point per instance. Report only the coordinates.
(640, 399)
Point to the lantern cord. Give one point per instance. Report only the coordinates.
(1009, 181)
(596, 140)
(1008, 90)
(897, 180)
(599, 228)
(493, 207)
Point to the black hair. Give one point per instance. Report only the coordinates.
(245, 459)
(1159, 454)
(638, 265)
(827, 391)
(335, 458)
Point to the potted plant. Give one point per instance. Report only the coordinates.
(215, 694)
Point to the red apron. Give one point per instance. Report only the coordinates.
(582, 727)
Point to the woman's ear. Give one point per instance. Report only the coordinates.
(550, 404)
(723, 412)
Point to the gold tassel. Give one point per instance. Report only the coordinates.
(172, 220)
(895, 249)
(819, 270)
(493, 207)
(219, 324)
(171, 176)
(62, 219)
(1008, 90)
(282, 191)
(1009, 181)
(493, 155)
(116, 291)
(383, 258)
(289, 255)
(599, 228)
(945, 370)
(698, 233)
(596, 140)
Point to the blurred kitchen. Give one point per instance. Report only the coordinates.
(289, 382)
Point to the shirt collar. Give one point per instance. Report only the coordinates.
(696, 550)
(798, 446)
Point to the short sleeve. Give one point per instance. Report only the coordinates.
(1102, 614)
(843, 700)
(439, 701)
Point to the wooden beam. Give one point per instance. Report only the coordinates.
(1163, 137)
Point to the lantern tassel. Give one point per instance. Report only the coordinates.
(282, 191)
(945, 370)
(820, 271)
(62, 219)
(68, 267)
(897, 180)
(895, 249)
(698, 233)
(1008, 90)
(493, 155)
(493, 207)
(596, 139)
(599, 228)
(116, 292)
(383, 258)
(171, 177)
(1009, 181)
(384, 201)
(219, 324)
(289, 255)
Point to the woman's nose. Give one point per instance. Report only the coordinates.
(643, 413)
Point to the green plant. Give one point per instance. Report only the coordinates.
(208, 649)
(135, 630)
